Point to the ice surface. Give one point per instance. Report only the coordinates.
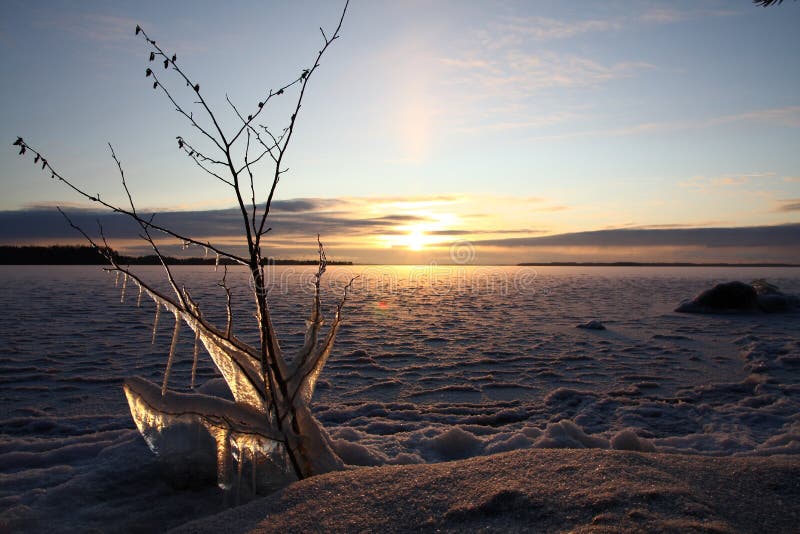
(415, 361)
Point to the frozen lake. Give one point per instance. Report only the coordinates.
(433, 363)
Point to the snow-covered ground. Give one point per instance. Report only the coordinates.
(433, 364)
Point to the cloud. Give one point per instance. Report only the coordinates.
(786, 235)
(519, 73)
(516, 30)
(788, 116)
(297, 218)
(662, 15)
(789, 205)
(374, 229)
(725, 180)
(673, 226)
(91, 26)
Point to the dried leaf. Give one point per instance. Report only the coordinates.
(155, 84)
(138, 29)
(197, 87)
(147, 73)
(166, 63)
(174, 58)
(152, 56)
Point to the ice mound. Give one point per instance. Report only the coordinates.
(196, 434)
(738, 297)
(592, 325)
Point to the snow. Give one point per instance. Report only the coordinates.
(434, 373)
(535, 490)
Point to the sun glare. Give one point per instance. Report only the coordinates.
(416, 237)
(416, 240)
(423, 226)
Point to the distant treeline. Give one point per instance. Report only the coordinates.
(652, 264)
(86, 255)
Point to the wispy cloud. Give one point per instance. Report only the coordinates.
(515, 30)
(725, 180)
(788, 116)
(788, 205)
(496, 90)
(786, 235)
(516, 72)
(92, 26)
(500, 69)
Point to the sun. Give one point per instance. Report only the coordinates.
(416, 239)
(424, 233)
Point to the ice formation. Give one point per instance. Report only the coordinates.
(252, 429)
(200, 431)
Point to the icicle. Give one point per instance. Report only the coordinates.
(239, 475)
(205, 252)
(216, 262)
(155, 322)
(171, 353)
(139, 298)
(116, 279)
(253, 469)
(196, 353)
(224, 458)
(124, 285)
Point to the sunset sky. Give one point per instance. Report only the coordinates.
(515, 131)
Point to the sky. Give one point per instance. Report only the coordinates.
(433, 131)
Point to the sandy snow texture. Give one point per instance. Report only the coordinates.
(540, 491)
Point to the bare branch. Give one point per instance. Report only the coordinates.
(179, 109)
(194, 85)
(145, 229)
(116, 209)
(305, 77)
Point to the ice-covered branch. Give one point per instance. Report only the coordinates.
(271, 410)
(224, 285)
(305, 378)
(147, 237)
